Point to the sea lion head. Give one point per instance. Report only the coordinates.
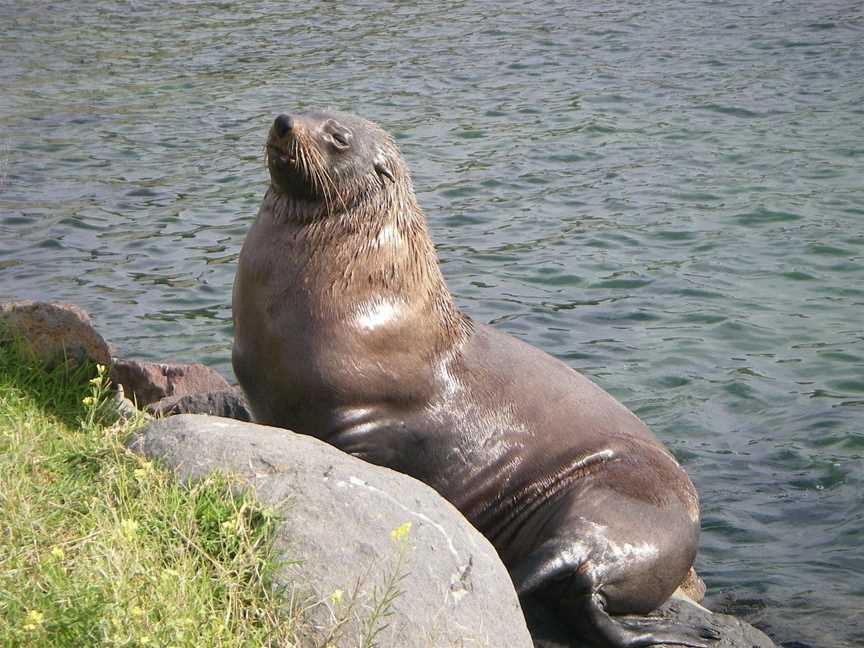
(334, 160)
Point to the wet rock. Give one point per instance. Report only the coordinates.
(148, 382)
(53, 332)
(338, 516)
(229, 403)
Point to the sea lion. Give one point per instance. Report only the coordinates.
(345, 330)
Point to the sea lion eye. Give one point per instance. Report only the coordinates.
(337, 134)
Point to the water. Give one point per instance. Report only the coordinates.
(668, 197)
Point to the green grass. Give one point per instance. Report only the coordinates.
(99, 547)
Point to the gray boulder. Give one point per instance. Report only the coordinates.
(148, 382)
(447, 583)
(53, 332)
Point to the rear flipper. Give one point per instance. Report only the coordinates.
(597, 625)
(552, 578)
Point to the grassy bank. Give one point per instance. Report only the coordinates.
(101, 548)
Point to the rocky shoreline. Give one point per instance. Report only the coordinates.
(367, 538)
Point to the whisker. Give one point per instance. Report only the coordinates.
(321, 178)
(333, 186)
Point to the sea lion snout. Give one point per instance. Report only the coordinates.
(283, 124)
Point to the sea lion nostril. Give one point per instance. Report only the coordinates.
(283, 124)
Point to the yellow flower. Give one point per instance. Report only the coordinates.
(146, 467)
(100, 369)
(336, 597)
(144, 640)
(400, 532)
(88, 400)
(33, 620)
(96, 381)
(136, 611)
(169, 573)
(58, 553)
(129, 528)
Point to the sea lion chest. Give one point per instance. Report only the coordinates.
(341, 350)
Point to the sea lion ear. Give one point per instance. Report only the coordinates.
(382, 168)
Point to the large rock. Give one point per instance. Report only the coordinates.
(339, 514)
(148, 382)
(53, 332)
(230, 404)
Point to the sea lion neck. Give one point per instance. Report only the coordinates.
(360, 257)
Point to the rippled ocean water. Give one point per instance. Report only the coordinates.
(668, 196)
